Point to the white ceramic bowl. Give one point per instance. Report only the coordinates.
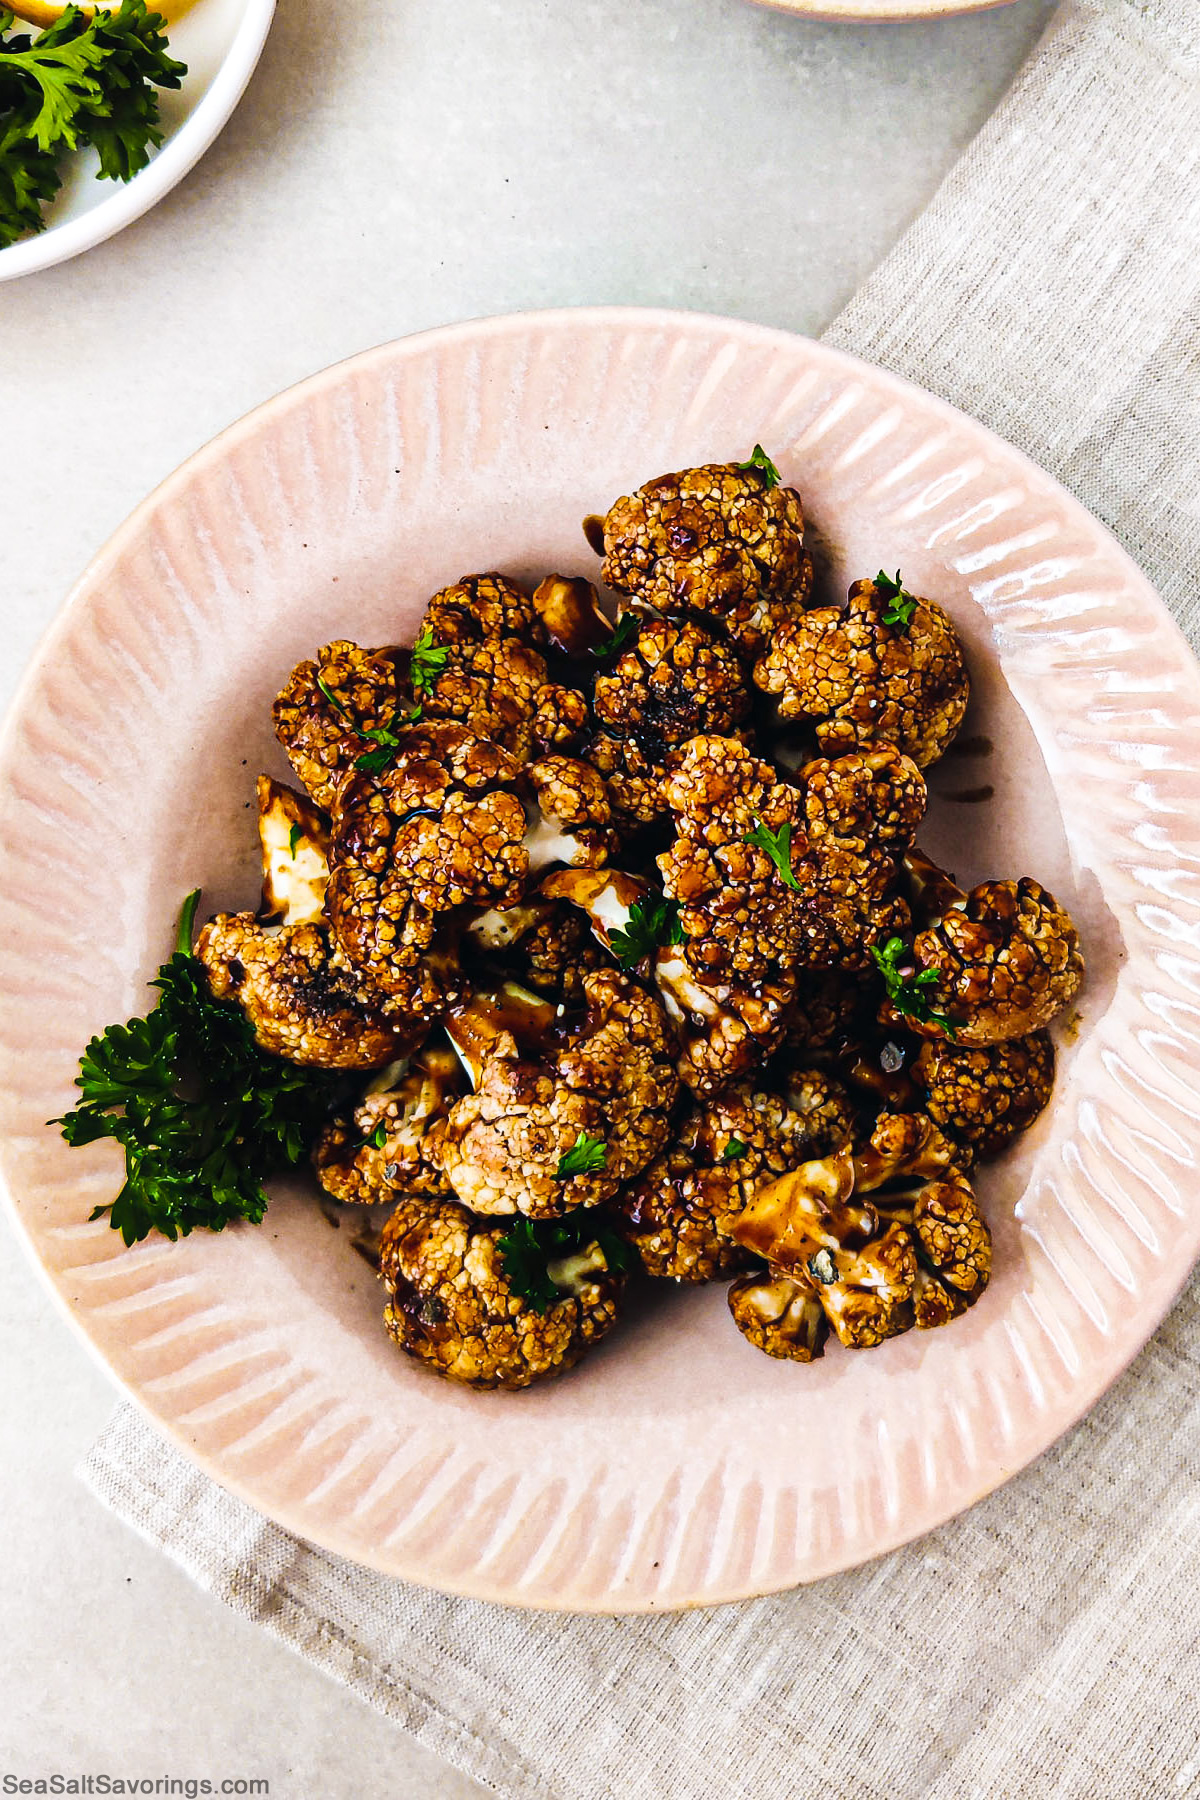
(220, 41)
(676, 1465)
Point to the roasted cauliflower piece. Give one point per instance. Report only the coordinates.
(453, 1306)
(302, 999)
(984, 1097)
(440, 829)
(722, 543)
(885, 1238)
(493, 688)
(780, 1316)
(1001, 962)
(573, 825)
(482, 608)
(329, 709)
(676, 680)
(771, 877)
(676, 1213)
(382, 1149)
(294, 840)
(573, 620)
(565, 1106)
(886, 669)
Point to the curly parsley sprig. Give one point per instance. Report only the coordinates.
(201, 1113)
(530, 1248)
(778, 846)
(585, 1157)
(623, 631)
(426, 660)
(909, 990)
(84, 80)
(758, 459)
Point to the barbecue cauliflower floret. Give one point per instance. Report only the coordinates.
(302, 999)
(440, 829)
(780, 1316)
(574, 823)
(984, 1097)
(886, 669)
(382, 1149)
(565, 1107)
(677, 1213)
(885, 1238)
(492, 688)
(721, 543)
(328, 709)
(675, 681)
(1000, 963)
(453, 1307)
(860, 813)
(482, 608)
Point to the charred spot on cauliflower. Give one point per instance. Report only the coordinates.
(1005, 960)
(383, 1149)
(328, 708)
(858, 680)
(547, 1083)
(453, 1307)
(720, 543)
(986, 1096)
(301, 998)
(677, 1213)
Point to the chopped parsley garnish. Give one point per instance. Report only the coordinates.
(294, 836)
(910, 992)
(372, 762)
(84, 80)
(901, 604)
(652, 922)
(529, 1247)
(758, 459)
(201, 1113)
(778, 846)
(626, 628)
(734, 1150)
(822, 1267)
(585, 1157)
(426, 661)
(375, 1140)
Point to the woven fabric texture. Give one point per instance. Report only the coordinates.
(1046, 1644)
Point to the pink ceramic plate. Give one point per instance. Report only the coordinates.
(677, 1466)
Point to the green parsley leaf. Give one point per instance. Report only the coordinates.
(585, 1157)
(202, 1115)
(734, 1150)
(909, 991)
(758, 459)
(626, 628)
(84, 80)
(294, 836)
(530, 1246)
(426, 661)
(901, 604)
(652, 922)
(375, 1140)
(778, 846)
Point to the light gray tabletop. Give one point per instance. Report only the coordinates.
(396, 164)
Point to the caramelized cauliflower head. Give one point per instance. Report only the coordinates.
(479, 608)
(566, 1106)
(720, 543)
(858, 680)
(328, 708)
(984, 1097)
(452, 1305)
(677, 1213)
(493, 688)
(884, 1239)
(442, 828)
(772, 877)
(383, 1149)
(302, 999)
(1006, 960)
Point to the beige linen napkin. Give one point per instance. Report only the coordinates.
(1046, 1643)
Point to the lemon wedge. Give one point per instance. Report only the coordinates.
(45, 12)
